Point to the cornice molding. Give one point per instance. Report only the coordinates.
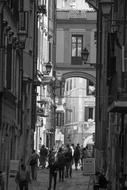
(75, 21)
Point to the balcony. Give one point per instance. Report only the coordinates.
(118, 100)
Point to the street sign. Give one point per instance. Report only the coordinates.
(89, 166)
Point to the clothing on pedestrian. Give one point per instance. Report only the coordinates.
(68, 161)
(43, 156)
(77, 156)
(61, 163)
(23, 178)
(53, 168)
(33, 162)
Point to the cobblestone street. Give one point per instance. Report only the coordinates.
(77, 182)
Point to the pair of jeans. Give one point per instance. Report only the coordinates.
(34, 171)
(23, 185)
(61, 173)
(68, 172)
(52, 175)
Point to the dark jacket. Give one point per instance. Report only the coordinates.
(77, 154)
(61, 160)
(68, 155)
(26, 176)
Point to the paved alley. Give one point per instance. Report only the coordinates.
(77, 182)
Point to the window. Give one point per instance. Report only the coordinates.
(68, 116)
(88, 113)
(74, 82)
(60, 119)
(71, 84)
(90, 88)
(21, 5)
(67, 88)
(76, 49)
(50, 51)
(95, 36)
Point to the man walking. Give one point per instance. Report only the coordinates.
(43, 156)
(33, 162)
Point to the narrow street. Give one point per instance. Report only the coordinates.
(77, 182)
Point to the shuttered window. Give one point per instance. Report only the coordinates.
(88, 113)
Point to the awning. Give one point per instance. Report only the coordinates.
(93, 3)
(118, 106)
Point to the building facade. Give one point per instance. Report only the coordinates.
(44, 133)
(17, 71)
(111, 91)
(79, 111)
(76, 30)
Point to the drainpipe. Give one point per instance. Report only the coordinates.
(35, 46)
(2, 5)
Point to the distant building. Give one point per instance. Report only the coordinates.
(76, 30)
(79, 110)
(17, 61)
(72, 4)
(44, 133)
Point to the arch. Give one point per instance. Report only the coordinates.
(79, 74)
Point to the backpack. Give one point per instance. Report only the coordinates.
(33, 161)
(61, 158)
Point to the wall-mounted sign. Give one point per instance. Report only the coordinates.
(89, 166)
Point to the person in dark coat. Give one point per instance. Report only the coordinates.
(68, 161)
(61, 163)
(33, 162)
(43, 156)
(53, 167)
(77, 156)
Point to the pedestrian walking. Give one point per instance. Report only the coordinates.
(23, 178)
(72, 149)
(61, 163)
(43, 156)
(83, 157)
(77, 156)
(68, 161)
(33, 162)
(53, 168)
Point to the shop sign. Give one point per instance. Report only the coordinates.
(89, 166)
